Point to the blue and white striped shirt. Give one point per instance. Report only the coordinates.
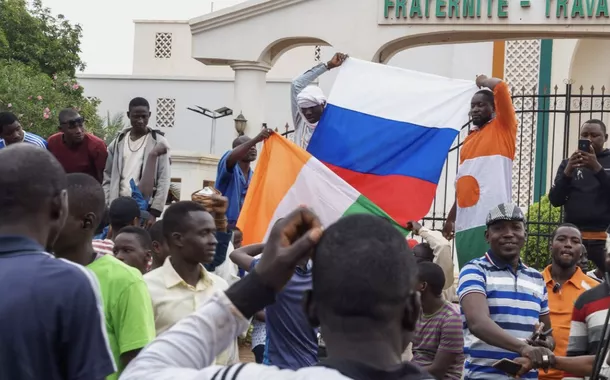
(29, 138)
(516, 301)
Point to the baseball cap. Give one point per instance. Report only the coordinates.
(505, 211)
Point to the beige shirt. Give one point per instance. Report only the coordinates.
(441, 248)
(133, 162)
(173, 299)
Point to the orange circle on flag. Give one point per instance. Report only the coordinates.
(467, 191)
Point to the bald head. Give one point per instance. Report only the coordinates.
(67, 114)
(240, 140)
(30, 178)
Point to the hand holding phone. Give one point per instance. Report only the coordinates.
(510, 367)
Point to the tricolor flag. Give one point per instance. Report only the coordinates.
(287, 177)
(387, 131)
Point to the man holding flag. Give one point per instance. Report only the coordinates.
(484, 178)
(308, 101)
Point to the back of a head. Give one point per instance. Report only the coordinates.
(7, 118)
(175, 217)
(240, 140)
(85, 195)
(156, 231)
(362, 268)
(29, 178)
(433, 275)
(122, 212)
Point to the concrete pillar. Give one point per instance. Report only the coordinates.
(249, 91)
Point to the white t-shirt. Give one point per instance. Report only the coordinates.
(133, 161)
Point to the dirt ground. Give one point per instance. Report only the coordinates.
(245, 354)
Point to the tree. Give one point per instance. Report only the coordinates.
(542, 219)
(37, 99)
(112, 126)
(36, 38)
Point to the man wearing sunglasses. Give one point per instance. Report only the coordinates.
(77, 150)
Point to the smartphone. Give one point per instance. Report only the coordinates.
(508, 366)
(584, 145)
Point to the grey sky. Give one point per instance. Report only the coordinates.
(107, 43)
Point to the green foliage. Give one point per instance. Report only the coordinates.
(542, 219)
(36, 38)
(247, 340)
(112, 126)
(37, 99)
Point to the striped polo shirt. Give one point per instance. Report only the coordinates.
(30, 138)
(588, 319)
(516, 301)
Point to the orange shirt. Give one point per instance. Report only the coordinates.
(499, 136)
(561, 303)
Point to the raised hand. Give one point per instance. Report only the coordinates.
(291, 239)
(336, 61)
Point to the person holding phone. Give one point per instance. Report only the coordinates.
(582, 187)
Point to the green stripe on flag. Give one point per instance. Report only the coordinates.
(470, 244)
(364, 206)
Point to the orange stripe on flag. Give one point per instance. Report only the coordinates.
(279, 164)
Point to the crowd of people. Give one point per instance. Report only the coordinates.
(102, 280)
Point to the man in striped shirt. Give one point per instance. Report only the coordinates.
(502, 300)
(588, 318)
(438, 340)
(11, 132)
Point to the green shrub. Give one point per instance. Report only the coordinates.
(37, 99)
(542, 219)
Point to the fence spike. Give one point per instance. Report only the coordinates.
(581, 88)
(603, 89)
(556, 88)
(592, 89)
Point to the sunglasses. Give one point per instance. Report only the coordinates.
(74, 122)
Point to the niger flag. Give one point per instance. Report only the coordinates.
(484, 178)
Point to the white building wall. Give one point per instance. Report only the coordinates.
(181, 63)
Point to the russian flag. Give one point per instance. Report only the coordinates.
(387, 132)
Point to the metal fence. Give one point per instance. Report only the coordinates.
(549, 124)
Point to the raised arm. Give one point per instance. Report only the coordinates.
(304, 80)
(100, 154)
(108, 171)
(163, 182)
(441, 248)
(241, 151)
(244, 257)
(503, 103)
(147, 181)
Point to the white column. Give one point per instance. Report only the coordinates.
(249, 93)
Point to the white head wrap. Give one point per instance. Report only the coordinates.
(311, 96)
